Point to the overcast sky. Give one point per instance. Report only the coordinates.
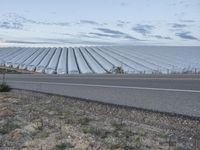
(99, 22)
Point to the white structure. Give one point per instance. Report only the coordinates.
(102, 60)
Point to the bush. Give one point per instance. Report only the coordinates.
(84, 121)
(4, 87)
(62, 146)
(117, 70)
(117, 126)
(96, 131)
(3, 131)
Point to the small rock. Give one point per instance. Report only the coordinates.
(5, 112)
(29, 128)
(38, 124)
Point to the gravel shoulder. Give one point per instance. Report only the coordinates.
(30, 120)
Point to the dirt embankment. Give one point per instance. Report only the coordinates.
(31, 120)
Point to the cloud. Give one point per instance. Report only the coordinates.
(110, 31)
(176, 25)
(11, 25)
(121, 23)
(46, 41)
(48, 23)
(123, 4)
(24, 42)
(187, 21)
(53, 12)
(57, 24)
(186, 35)
(146, 30)
(96, 43)
(11, 21)
(41, 41)
(143, 29)
(15, 21)
(162, 37)
(89, 22)
(113, 33)
(130, 37)
(103, 35)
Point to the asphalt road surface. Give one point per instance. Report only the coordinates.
(179, 94)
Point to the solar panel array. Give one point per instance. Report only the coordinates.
(102, 60)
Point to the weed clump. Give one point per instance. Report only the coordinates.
(63, 146)
(117, 125)
(84, 121)
(4, 87)
(96, 131)
(117, 70)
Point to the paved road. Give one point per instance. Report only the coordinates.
(178, 94)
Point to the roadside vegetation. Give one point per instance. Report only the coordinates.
(117, 70)
(4, 87)
(8, 71)
(30, 120)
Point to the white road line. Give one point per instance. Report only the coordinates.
(108, 86)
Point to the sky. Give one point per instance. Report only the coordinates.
(99, 22)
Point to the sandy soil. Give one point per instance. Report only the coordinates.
(35, 121)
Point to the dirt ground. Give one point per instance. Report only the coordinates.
(8, 70)
(35, 121)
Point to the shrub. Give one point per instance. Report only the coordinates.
(96, 131)
(63, 146)
(118, 70)
(4, 87)
(3, 131)
(84, 121)
(117, 126)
